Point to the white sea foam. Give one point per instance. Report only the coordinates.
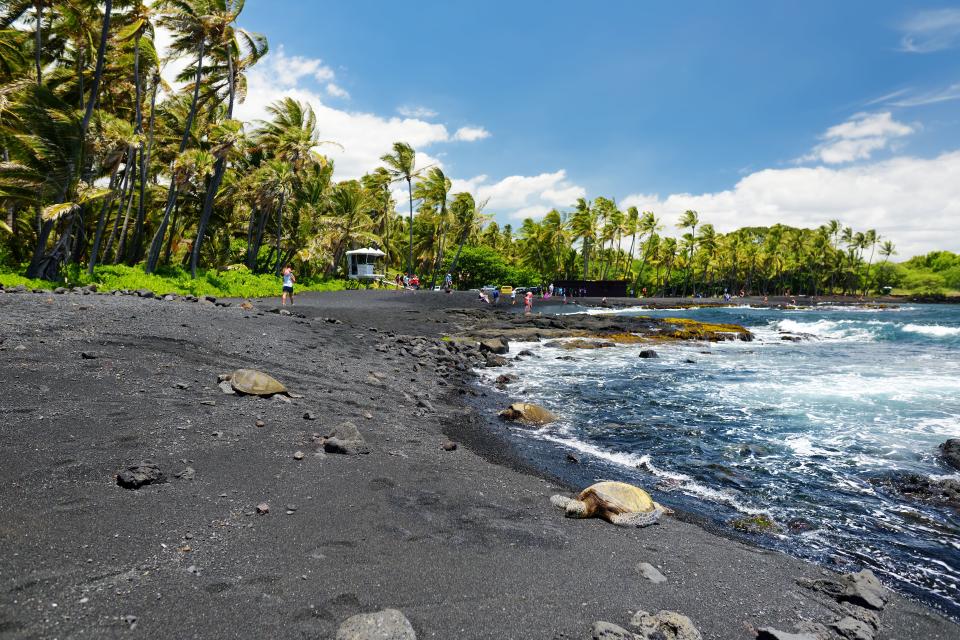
(935, 330)
(850, 330)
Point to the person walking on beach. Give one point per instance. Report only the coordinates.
(528, 303)
(288, 280)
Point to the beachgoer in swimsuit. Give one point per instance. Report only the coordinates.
(528, 303)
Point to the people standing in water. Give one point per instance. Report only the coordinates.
(288, 280)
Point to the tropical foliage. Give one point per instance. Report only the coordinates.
(105, 164)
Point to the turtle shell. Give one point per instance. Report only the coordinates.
(528, 413)
(255, 383)
(619, 497)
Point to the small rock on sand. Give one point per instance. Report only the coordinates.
(88, 355)
(388, 624)
(298, 455)
(346, 439)
(138, 475)
(226, 387)
(260, 423)
(449, 445)
(651, 573)
(664, 625)
(263, 508)
(309, 415)
(187, 474)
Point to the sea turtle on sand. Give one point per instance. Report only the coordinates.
(254, 383)
(616, 502)
(527, 413)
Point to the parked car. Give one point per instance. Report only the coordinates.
(506, 290)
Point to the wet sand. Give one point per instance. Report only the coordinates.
(465, 543)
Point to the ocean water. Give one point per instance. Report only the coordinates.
(799, 431)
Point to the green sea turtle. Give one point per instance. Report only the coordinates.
(254, 383)
(616, 502)
(527, 413)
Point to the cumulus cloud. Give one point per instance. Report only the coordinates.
(471, 134)
(416, 112)
(913, 201)
(336, 91)
(522, 197)
(931, 30)
(858, 138)
(363, 136)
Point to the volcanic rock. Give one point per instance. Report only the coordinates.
(346, 439)
(950, 452)
(665, 625)
(388, 624)
(138, 475)
(498, 346)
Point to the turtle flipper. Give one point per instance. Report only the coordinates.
(560, 502)
(637, 518)
(667, 511)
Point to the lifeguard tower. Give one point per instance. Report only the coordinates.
(363, 264)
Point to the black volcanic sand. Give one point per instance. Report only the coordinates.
(464, 542)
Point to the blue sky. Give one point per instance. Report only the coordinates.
(751, 112)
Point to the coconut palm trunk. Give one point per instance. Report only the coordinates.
(219, 169)
(157, 244)
(136, 244)
(38, 40)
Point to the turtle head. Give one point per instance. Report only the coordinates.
(576, 509)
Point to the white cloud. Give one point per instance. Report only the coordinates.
(943, 94)
(416, 112)
(336, 91)
(471, 134)
(520, 197)
(364, 136)
(913, 201)
(858, 138)
(931, 30)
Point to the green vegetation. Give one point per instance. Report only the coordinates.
(236, 283)
(935, 273)
(105, 166)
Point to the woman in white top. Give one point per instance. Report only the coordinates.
(288, 280)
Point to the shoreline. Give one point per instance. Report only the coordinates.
(464, 542)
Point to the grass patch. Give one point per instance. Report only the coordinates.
(234, 283)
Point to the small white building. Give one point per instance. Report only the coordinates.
(362, 264)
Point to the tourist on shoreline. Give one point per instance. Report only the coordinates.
(288, 280)
(448, 283)
(528, 303)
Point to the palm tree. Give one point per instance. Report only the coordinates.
(187, 19)
(402, 166)
(434, 190)
(584, 226)
(241, 50)
(689, 220)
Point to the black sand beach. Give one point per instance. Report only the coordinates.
(464, 542)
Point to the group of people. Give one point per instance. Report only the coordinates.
(404, 281)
